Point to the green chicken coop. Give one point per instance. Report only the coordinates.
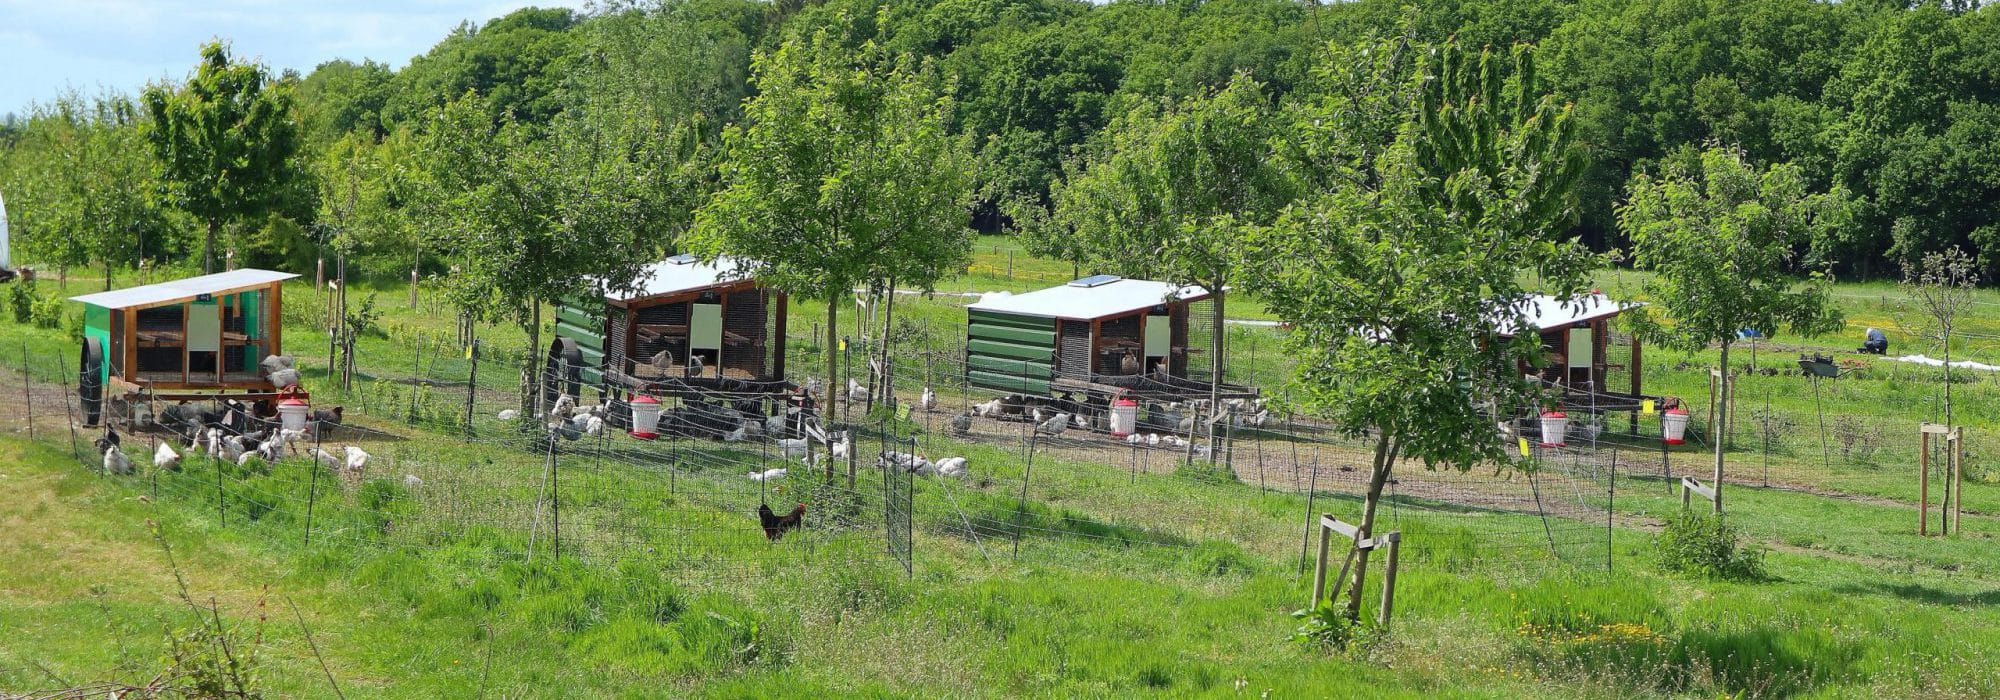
(193, 338)
(1102, 336)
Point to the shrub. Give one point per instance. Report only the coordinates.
(1325, 627)
(1705, 545)
(21, 300)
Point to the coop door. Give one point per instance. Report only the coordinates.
(204, 327)
(705, 328)
(1159, 337)
(1580, 349)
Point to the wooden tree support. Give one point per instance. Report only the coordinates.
(1949, 507)
(1690, 487)
(1391, 542)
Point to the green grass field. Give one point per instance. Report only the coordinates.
(1173, 582)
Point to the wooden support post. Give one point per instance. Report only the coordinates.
(1394, 540)
(1957, 441)
(1319, 570)
(1925, 443)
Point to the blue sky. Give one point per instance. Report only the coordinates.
(47, 46)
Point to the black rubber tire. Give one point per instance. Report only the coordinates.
(90, 381)
(563, 374)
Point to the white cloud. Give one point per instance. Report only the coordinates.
(122, 44)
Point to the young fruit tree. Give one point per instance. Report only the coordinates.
(527, 221)
(1401, 272)
(1170, 190)
(844, 173)
(226, 142)
(1721, 235)
(1939, 290)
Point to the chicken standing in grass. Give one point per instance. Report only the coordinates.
(509, 414)
(792, 447)
(856, 392)
(990, 409)
(775, 525)
(927, 401)
(769, 475)
(115, 461)
(164, 457)
(961, 424)
(356, 462)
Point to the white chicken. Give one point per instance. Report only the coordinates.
(792, 447)
(509, 414)
(1054, 426)
(1134, 439)
(840, 447)
(324, 458)
(356, 460)
(164, 457)
(775, 425)
(928, 400)
(990, 409)
(738, 434)
(1152, 439)
(115, 461)
(410, 481)
(856, 392)
(769, 475)
(952, 466)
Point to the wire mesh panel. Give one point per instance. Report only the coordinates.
(898, 523)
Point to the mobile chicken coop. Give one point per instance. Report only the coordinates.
(1100, 337)
(195, 338)
(690, 328)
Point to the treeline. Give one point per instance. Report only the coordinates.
(618, 118)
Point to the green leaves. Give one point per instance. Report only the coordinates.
(1398, 274)
(1721, 234)
(226, 142)
(846, 172)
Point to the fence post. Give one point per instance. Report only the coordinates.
(1395, 540)
(62, 376)
(27, 394)
(1319, 570)
(1021, 510)
(312, 483)
(1311, 491)
(555, 501)
(1610, 508)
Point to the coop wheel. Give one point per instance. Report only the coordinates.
(563, 374)
(90, 381)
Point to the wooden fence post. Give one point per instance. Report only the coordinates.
(1319, 571)
(1395, 542)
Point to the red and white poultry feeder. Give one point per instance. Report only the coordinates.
(645, 417)
(1124, 417)
(1554, 425)
(1674, 425)
(292, 414)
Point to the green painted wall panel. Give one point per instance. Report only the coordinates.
(1038, 370)
(1006, 382)
(1042, 337)
(1013, 350)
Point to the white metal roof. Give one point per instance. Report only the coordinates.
(177, 290)
(1084, 303)
(683, 273)
(1546, 312)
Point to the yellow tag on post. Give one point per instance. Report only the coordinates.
(843, 345)
(1524, 447)
(1646, 407)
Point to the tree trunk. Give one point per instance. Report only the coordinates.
(888, 323)
(1215, 371)
(1947, 378)
(107, 287)
(208, 248)
(833, 303)
(536, 361)
(1721, 419)
(1384, 462)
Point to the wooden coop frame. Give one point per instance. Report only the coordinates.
(1102, 335)
(192, 338)
(644, 341)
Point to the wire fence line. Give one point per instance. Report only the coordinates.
(448, 474)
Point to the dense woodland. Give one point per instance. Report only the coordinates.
(547, 137)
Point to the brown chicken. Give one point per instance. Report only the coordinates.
(775, 525)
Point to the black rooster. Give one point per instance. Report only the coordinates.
(775, 525)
